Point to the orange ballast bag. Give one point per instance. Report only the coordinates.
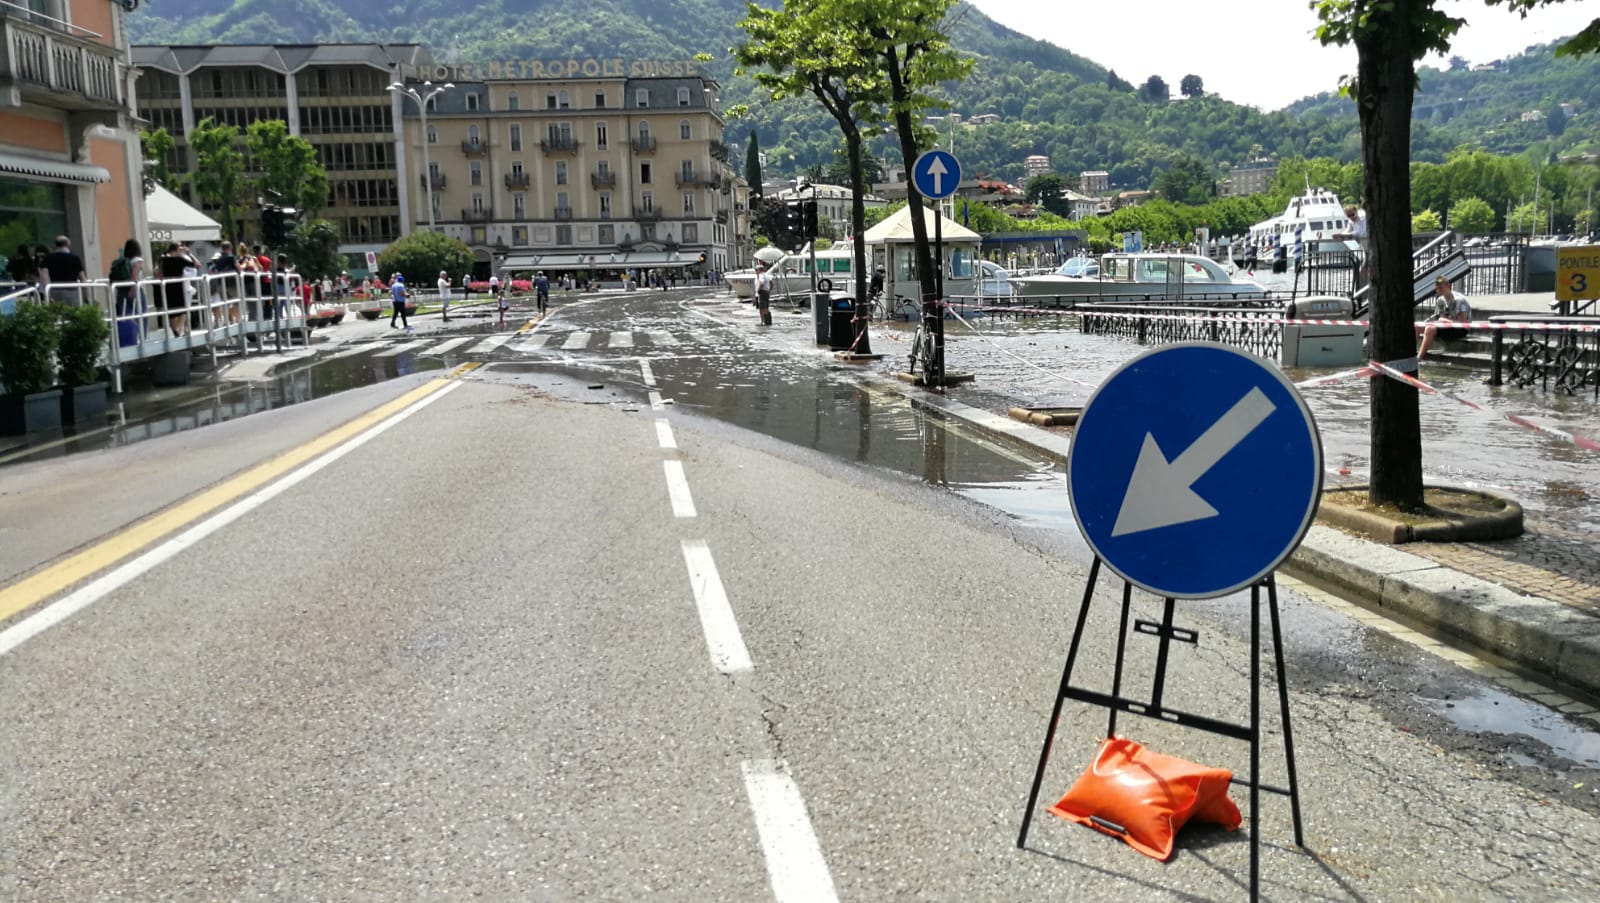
(1144, 797)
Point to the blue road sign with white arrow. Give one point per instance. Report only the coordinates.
(1195, 470)
(936, 174)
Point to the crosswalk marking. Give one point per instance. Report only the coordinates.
(532, 343)
(662, 338)
(358, 348)
(448, 345)
(622, 340)
(401, 348)
(576, 341)
(493, 342)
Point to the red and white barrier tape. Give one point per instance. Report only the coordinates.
(1483, 325)
(1579, 441)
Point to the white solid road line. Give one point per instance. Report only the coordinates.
(100, 587)
(493, 342)
(621, 340)
(576, 341)
(678, 489)
(662, 338)
(449, 345)
(723, 641)
(649, 375)
(401, 348)
(795, 866)
(664, 433)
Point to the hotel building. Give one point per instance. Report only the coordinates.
(336, 96)
(69, 149)
(607, 170)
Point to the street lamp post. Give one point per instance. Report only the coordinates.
(428, 93)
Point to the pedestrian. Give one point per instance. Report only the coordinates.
(62, 267)
(541, 291)
(124, 276)
(1448, 307)
(444, 294)
(494, 285)
(173, 262)
(22, 268)
(502, 301)
(397, 288)
(466, 287)
(764, 294)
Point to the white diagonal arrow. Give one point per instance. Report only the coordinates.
(1158, 492)
(937, 170)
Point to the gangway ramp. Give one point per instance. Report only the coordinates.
(1444, 256)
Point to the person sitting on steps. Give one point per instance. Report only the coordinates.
(1448, 306)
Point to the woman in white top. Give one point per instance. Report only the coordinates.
(444, 293)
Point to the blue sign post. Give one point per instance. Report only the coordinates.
(936, 174)
(1195, 470)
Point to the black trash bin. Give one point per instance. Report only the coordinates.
(841, 325)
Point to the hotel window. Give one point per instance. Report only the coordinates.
(647, 201)
(516, 137)
(688, 203)
(550, 100)
(432, 104)
(644, 172)
(599, 100)
(516, 167)
(605, 205)
(480, 235)
(683, 97)
(475, 171)
(563, 234)
(647, 232)
(513, 102)
(601, 141)
(477, 202)
(517, 206)
(472, 134)
(561, 100)
(433, 135)
(603, 169)
(691, 233)
(562, 202)
(688, 170)
(519, 235)
(641, 97)
(608, 235)
(561, 172)
(683, 130)
(472, 103)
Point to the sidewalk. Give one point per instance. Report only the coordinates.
(1533, 601)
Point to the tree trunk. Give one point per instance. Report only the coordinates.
(861, 344)
(899, 95)
(1384, 78)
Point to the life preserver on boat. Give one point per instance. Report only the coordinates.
(824, 284)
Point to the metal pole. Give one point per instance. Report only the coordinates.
(427, 163)
(938, 282)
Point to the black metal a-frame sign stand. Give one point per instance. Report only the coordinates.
(1166, 632)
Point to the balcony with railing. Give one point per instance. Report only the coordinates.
(720, 151)
(647, 214)
(474, 148)
(603, 179)
(644, 145)
(559, 144)
(57, 64)
(434, 181)
(475, 216)
(517, 180)
(563, 214)
(698, 180)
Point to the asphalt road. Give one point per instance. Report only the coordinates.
(520, 646)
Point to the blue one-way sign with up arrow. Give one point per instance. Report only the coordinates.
(1195, 470)
(936, 174)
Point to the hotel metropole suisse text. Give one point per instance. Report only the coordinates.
(555, 68)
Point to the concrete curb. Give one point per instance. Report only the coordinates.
(1540, 635)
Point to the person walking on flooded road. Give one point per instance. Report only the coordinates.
(397, 287)
(444, 294)
(764, 293)
(541, 291)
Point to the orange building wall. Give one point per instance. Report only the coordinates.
(36, 134)
(95, 15)
(113, 201)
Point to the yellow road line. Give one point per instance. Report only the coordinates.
(529, 325)
(56, 578)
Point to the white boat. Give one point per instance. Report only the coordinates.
(1139, 277)
(743, 283)
(791, 275)
(1315, 216)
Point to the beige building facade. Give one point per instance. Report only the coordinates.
(570, 174)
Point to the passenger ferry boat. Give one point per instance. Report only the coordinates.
(791, 273)
(1314, 216)
(1138, 277)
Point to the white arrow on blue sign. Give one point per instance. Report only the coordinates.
(936, 174)
(1195, 470)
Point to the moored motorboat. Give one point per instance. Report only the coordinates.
(1139, 277)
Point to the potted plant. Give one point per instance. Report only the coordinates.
(83, 342)
(27, 369)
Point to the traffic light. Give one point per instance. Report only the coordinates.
(809, 216)
(794, 224)
(275, 224)
(702, 259)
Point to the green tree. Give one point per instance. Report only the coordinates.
(1155, 90)
(1471, 216)
(1426, 221)
(838, 171)
(286, 166)
(911, 42)
(752, 164)
(1045, 189)
(1192, 86)
(157, 147)
(1389, 36)
(219, 170)
(422, 254)
(1525, 217)
(1187, 181)
(314, 248)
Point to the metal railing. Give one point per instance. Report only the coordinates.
(1553, 353)
(474, 148)
(558, 144)
(603, 180)
(517, 180)
(644, 145)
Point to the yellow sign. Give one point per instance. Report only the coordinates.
(523, 70)
(1578, 273)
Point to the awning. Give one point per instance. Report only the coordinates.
(173, 220)
(54, 170)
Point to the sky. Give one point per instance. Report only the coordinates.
(1257, 52)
